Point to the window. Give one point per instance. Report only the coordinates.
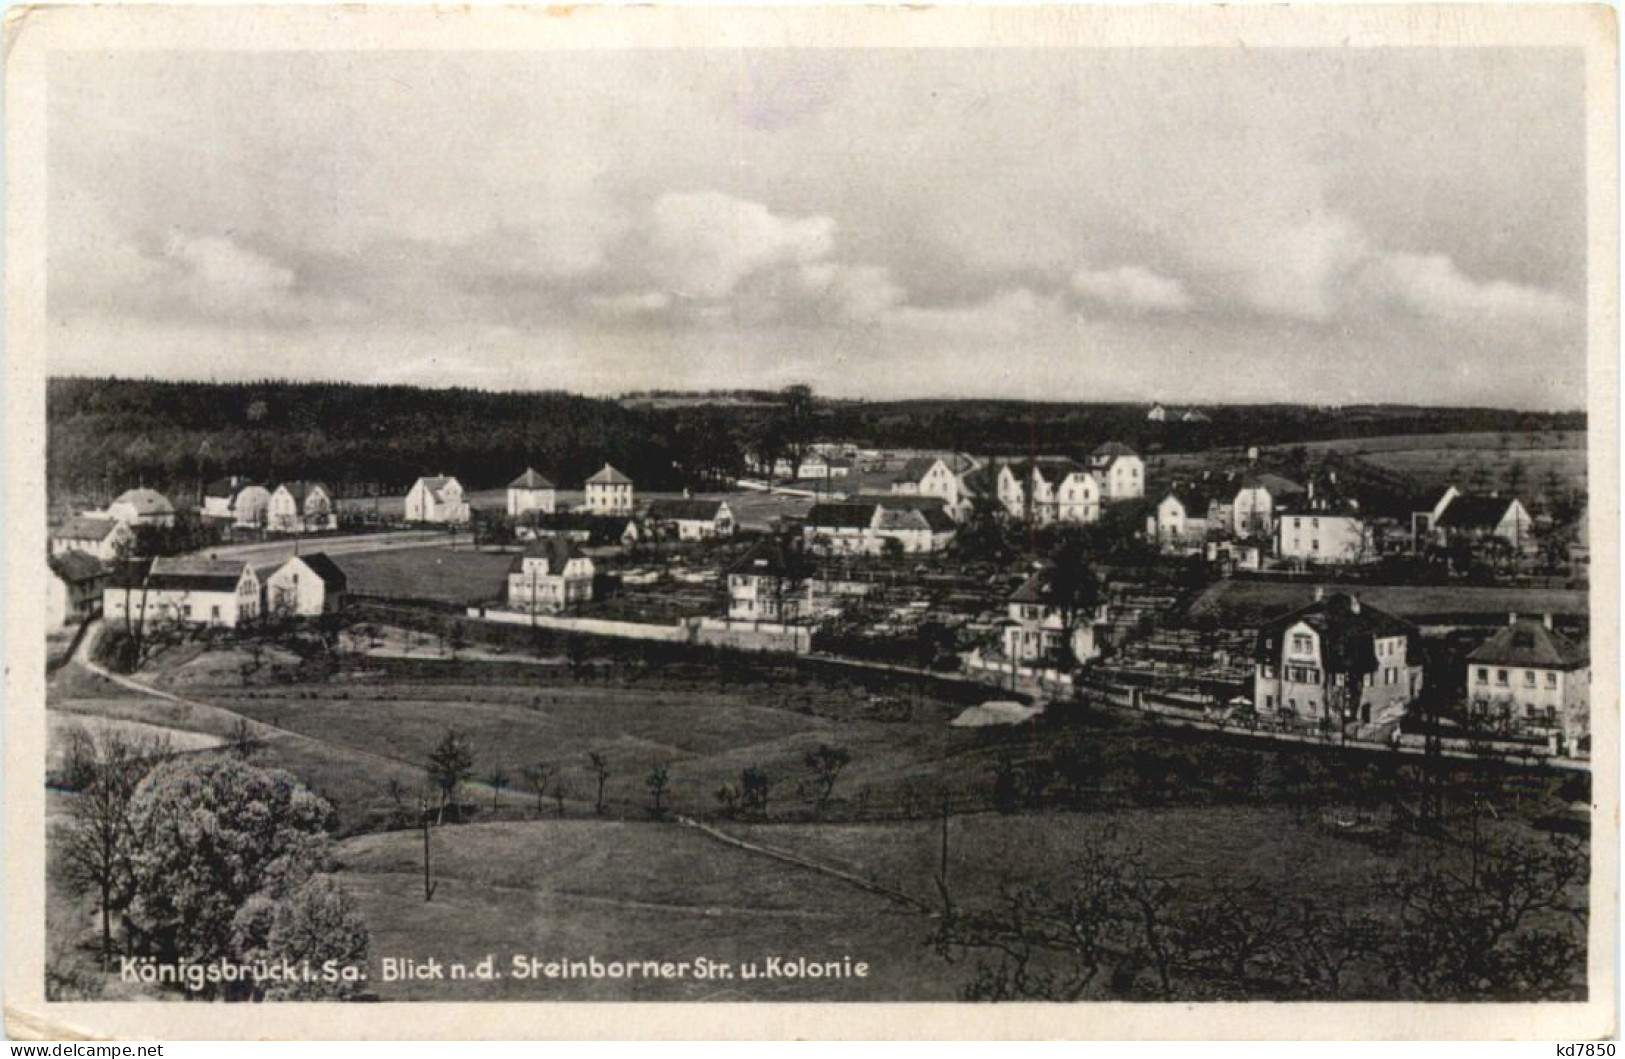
(1529, 678)
(1551, 680)
(1302, 643)
(214, 611)
(1269, 702)
(1501, 677)
(1315, 522)
(1483, 675)
(1315, 546)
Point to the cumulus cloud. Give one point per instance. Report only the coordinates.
(705, 243)
(1131, 287)
(1432, 285)
(857, 293)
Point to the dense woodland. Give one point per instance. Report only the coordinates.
(107, 434)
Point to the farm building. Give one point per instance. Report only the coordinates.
(1477, 519)
(237, 499)
(74, 591)
(609, 492)
(531, 492)
(692, 520)
(103, 538)
(142, 507)
(437, 499)
(548, 577)
(1337, 661)
(863, 526)
(185, 591)
(578, 527)
(301, 507)
(1530, 678)
(306, 586)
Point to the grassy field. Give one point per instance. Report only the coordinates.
(453, 576)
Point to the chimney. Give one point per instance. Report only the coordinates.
(1311, 489)
(1512, 618)
(1354, 603)
(1546, 620)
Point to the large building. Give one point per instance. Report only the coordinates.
(1337, 661)
(1049, 489)
(185, 591)
(1478, 519)
(105, 538)
(692, 520)
(872, 525)
(1326, 533)
(938, 476)
(1530, 678)
(548, 577)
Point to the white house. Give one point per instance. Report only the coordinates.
(238, 499)
(768, 584)
(1337, 661)
(142, 507)
(692, 520)
(1530, 678)
(550, 576)
(301, 507)
(864, 526)
(306, 586)
(437, 499)
(1037, 625)
(1120, 470)
(74, 590)
(103, 538)
(609, 492)
(938, 476)
(1179, 524)
(531, 492)
(187, 591)
(1252, 511)
(1157, 414)
(1049, 489)
(1335, 534)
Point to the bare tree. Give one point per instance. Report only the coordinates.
(600, 771)
(536, 777)
(498, 780)
(825, 764)
(658, 781)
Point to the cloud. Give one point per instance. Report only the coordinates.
(632, 304)
(1131, 287)
(858, 293)
(1432, 286)
(704, 244)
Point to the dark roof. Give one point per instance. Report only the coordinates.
(322, 565)
(1528, 642)
(300, 490)
(76, 567)
(226, 487)
(1475, 512)
(557, 551)
(1111, 450)
(600, 529)
(86, 529)
(842, 515)
(1038, 588)
(197, 575)
(938, 520)
(1348, 631)
(1195, 499)
(1053, 469)
(530, 480)
(686, 510)
(609, 476)
(771, 558)
(1274, 484)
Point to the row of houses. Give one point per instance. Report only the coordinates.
(1040, 489)
(215, 593)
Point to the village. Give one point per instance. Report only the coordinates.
(1238, 590)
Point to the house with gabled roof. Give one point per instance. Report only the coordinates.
(437, 499)
(864, 525)
(74, 590)
(1337, 661)
(1120, 471)
(691, 520)
(188, 590)
(1038, 623)
(769, 584)
(938, 476)
(531, 492)
(1179, 522)
(609, 492)
(1528, 677)
(243, 502)
(142, 507)
(1252, 509)
(104, 538)
(1048, 489)
(306, 586)
(550, 576)
(1477, 519)
(301, 507)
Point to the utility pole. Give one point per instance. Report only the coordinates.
(428, 878)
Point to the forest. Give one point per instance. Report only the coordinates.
(107, 434)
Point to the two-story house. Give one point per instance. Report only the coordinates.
(609, 492)
(1323, 531)
(1179, 523)
(531, 492)
(1252, 510)
(548, 577)
(1337, 661)
(105, 538)
(142, 507)
(306, 586)
(437, 499)
(1528, 677)
(244, 502)
(768, 584)
(1120, 470)
(185, 591)
(74, 591)
(1049, 489)
(301, 507)
(1040, 621)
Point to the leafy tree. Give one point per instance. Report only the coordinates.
(451, 763)
(658, 782)
(825, 765)
(754, 785)
(498, 780)
(317, 924)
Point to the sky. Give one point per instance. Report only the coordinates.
(1183, 225)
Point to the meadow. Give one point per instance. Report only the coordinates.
(1240, 602)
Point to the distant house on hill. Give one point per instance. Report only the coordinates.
(306, 586)
(531, 492)
(1337, 661)
(437, 499)
(142, 507)
(1195, 415)
(301, 507)
(238, 499)
(103, 538)
(1157, 414)
(609, 492)
(1530, 678)
(549, 577)
(186, 591)
(692, 520)
(74, 591)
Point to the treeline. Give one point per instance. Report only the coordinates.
(107, 434)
